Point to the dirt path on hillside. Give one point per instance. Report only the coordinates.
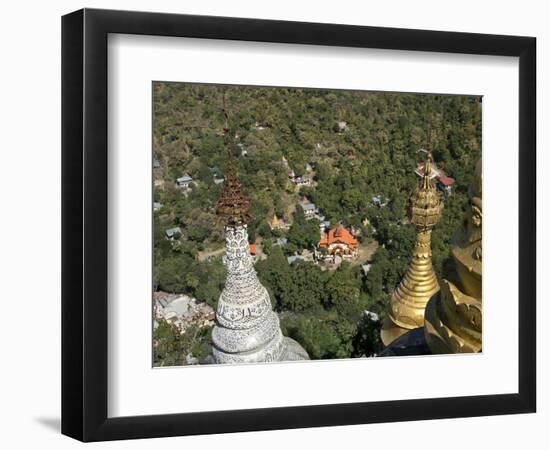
(365, 252)
(206, 254)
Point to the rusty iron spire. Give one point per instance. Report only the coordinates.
(233, 206)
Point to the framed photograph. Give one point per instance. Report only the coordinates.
(274, 225)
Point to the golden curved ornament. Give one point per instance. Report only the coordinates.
(453, 322)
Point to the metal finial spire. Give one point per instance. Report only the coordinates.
(426, 178)
(226, 139)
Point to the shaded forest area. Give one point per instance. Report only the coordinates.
(277, 129)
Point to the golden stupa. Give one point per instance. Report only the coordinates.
(453, 317)
(275, 222)
(408, 301)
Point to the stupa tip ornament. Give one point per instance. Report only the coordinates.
(246, 330)
(408, 301)
(425, 204)
(453, 321)
(233, 206)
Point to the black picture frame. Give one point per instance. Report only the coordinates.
(84, 224)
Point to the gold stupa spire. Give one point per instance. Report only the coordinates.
(453, 317)
(233, 205)
(408, 301)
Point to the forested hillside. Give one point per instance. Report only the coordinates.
(356, 145)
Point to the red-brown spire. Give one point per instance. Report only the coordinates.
(233, 204)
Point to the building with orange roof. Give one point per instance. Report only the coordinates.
(253, 253)
(340, 242)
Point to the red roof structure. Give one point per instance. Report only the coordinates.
(339, 236)
(436, 173)
(252, 249)
(446, 181)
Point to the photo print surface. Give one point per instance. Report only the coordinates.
(305, 224)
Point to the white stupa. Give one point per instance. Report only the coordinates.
(247, 329)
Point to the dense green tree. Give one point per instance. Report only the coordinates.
(322, 338)
(264, 230)
(304, 234)
(366, 341)
(343, 292)
(276, 275)
(174, 273)
(171, 347)
(211, 276)
(307, 289)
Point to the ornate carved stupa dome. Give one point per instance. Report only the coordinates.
(247, 329)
